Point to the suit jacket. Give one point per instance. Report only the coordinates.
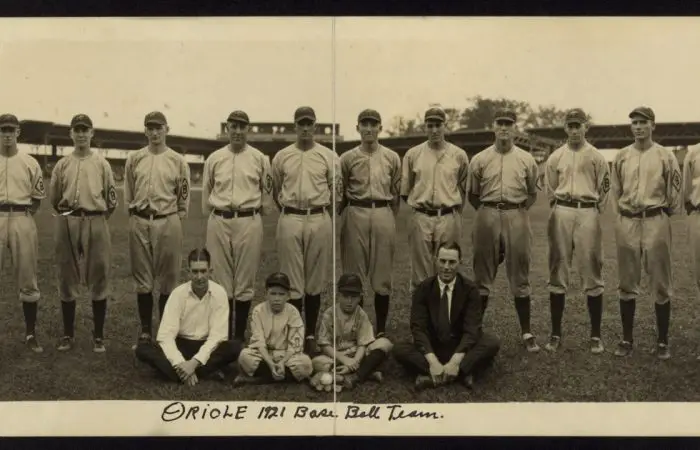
(465, 316)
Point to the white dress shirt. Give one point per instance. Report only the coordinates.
(450, 289)
(190, 317)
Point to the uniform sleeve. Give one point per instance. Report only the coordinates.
(551, 177)
(218, 328)
(463, 175)
(616, 181)
(277, 178)
(183, 191)
(531, 171)
(335, 178)
(407, 174)
(207, 185)
(396, 177)
(55, 186)
(674, 184)
(688, 165)
(168, 329)
(325, 329)
(110, 187)
(365, 334)
(474, 178)
(268, 202)
(603, 171)
(295, 332)
(257, 328)
(129, 181)
(345, 176)
(37, 180)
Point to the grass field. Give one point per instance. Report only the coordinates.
(571, 375)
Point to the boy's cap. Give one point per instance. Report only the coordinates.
(81, 120)
(156, 117)
(278, 279)
(9, 120)
(350, 283)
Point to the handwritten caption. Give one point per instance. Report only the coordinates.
(179, 411)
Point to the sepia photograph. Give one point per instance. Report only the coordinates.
(349, 225)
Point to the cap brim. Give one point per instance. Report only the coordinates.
(306, 116)
(373, 119)
(349, 291)
(279, 285)
(576, 120)
(9, 124)
(438, 118)
(640, 114)
(155, 121)
(507, 119)
(239, 120)
(84, 124)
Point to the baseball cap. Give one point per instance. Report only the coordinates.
(9, 120)
(81, 119)
(278, 279)
(304, 112)
(435, 114)
(350, 283)
(238, 116)
(576, 115)
(506, 114)
(155, 117)
(643, 111)
(369, 114)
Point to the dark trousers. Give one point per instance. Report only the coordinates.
(223, 355)
(475, 360)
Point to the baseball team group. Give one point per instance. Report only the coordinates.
(204, 321)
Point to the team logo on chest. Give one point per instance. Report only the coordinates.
(606, 183)
(112, 196)
(268, 183)
(39, 185)
(184, 189)
(676, 181)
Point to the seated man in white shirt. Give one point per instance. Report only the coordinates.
(192, 337)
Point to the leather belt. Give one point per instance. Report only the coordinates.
(653, 212)
(238, 213)
(436, 212)
(85, 213)
(370, 203)
(576, 204)
(6, 207)
(304, 212)
(149, 216)
(502, 205)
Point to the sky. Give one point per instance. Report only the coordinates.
(198, 70)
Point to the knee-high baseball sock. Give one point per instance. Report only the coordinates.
(162, 300)
(68, 313)
(595, 312)
(627, 310)
(230, 318)
(522, 307)
(145, 307)
(370, 363)
(663, 318)
(242, 310)
(381, 310)
(29, 309)
(99, 313)
(298, 304)
(313, 306)
(556, 309)
(484, 303)
(263, 371)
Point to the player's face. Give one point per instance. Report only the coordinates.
(435, 130)
(277, 296)
(348, 301)
(369, 130)
(237, 132)
(305, 129)
(9, 135)
(81, 136)
(199, 274)
(504, 130)
(447, 263)
(156, 133)
(575, 131)
(642, 128)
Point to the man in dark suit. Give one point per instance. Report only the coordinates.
(446, 323)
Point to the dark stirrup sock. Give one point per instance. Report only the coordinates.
(381, 310)
(99, 313)
(595, 313)
(144, 302)
(242, 310)
(522, 307)
(68, 313)
(556, 309)
(627, 310)
(30, 310)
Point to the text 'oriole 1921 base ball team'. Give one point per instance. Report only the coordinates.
(203, 322)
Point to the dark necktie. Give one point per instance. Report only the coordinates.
(444, 319)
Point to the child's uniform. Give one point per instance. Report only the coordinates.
(281, 334)
(351, 332)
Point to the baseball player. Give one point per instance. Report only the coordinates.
(236, 193)
(275, 351)
(156, 197)
(346, 338)
(502, 188)
(21, 192)
(577, 182)
(691, 200)
(371, 175)
(433, 184)
(304, 176)
(84, 196)
(647, 190)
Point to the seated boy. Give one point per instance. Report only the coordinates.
(275, 351)
(357, 353)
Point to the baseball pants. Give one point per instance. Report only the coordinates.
(425, 234)
(513, 225)
(85, 238)
(18, 234)
(299, 365)
(644, 243)
(324, 363)
(223, 355)
(368, 243)
(304, 249)
(694, 233)
(578, 228)
(235, 246)
(156, 252)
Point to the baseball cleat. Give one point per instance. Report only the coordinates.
(242, 379)
(98, 345)
(597, 346)
(553, 344)
(624, 348)
(468, 381)
(530, 343)
(144, 338)
(33, 344)
(65, 344)
(376, 376)
(663, 352)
